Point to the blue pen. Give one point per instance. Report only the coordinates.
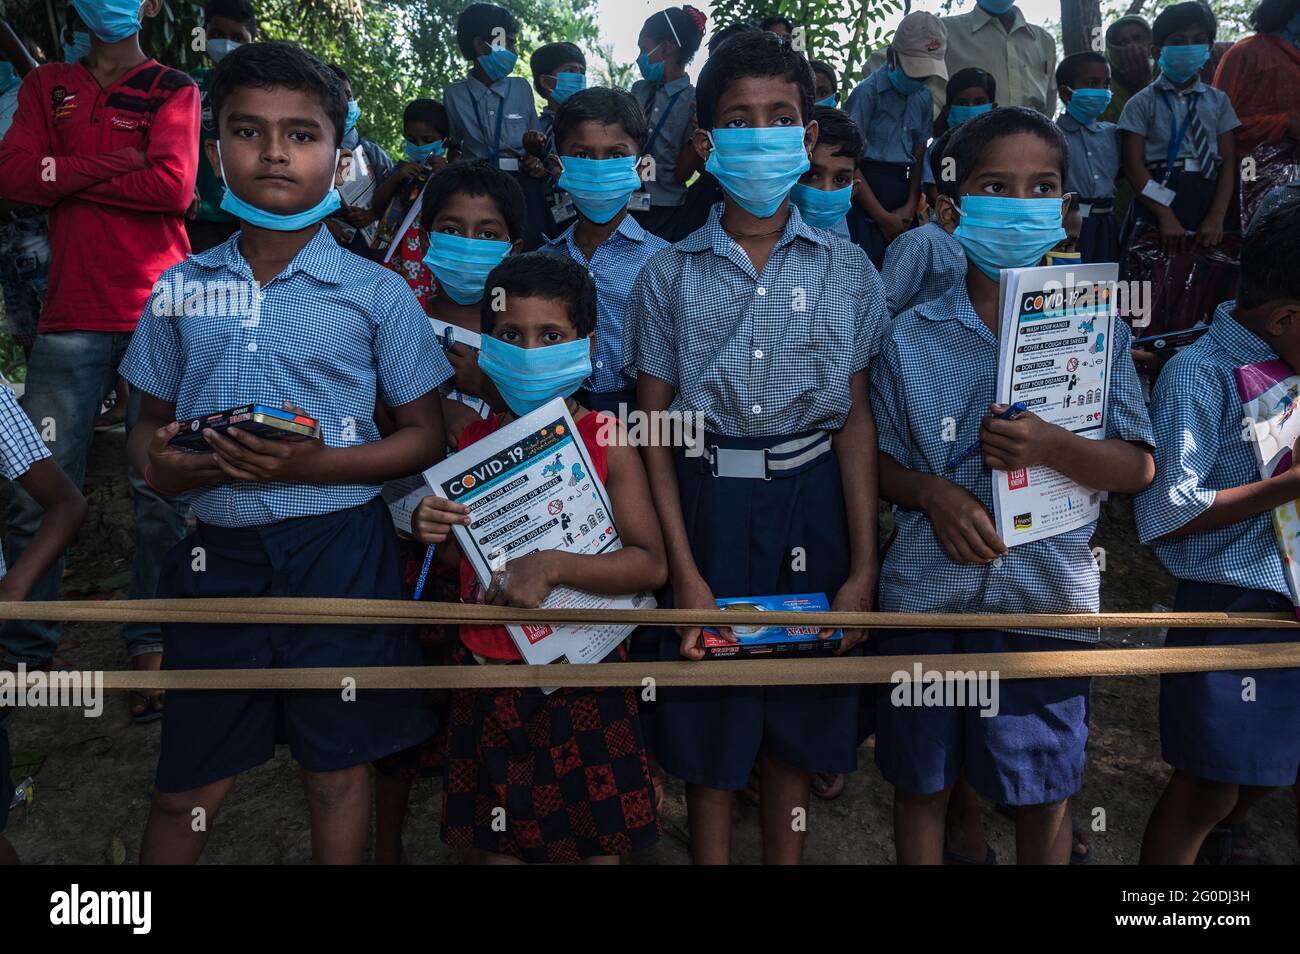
(1018, 408)
(424, 571)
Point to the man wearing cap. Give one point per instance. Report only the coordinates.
(1021, 57)
(894, 109)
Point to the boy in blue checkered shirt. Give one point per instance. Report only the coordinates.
(932, 388)
(1208, 517)
(24, 459)
(325, 331)
(599, 136)
(763, 327)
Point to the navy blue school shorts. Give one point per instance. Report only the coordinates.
(743, 533)
(1099, 239)
(1240, 726)
(1031, 752)
(211, 735)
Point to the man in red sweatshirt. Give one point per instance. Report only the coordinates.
(108, 144)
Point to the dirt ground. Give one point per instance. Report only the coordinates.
(93, 776)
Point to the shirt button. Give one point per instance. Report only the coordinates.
(762, 290)
(590, 273)
(997, 563)
(756, 409)
(758, 352)
(600, 364)
(252, 346)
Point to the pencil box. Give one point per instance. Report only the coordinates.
(261, 420)
(770, 640)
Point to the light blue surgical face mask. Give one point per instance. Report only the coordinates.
(960, 114)
(529, 377)
(78, 48)
(461, 264)
(8, 78)
(758, 165)
(653, 72)
(354, 113)
(110, 20)
(1180, 63)
(498, 62)
(902, 82)
(998, 232)
(566, 84)
(996, 7)
(275, 220)
(422, 153)
(218, 49)
(821, 209)
(599, 187)
(1087, 104)
(828, 101)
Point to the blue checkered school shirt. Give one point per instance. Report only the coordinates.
(919, 265)
(614, 268)
(939, 362)
(333, 331)
(20, 444)
(894, 124)
(758, 355)
(1197, 416)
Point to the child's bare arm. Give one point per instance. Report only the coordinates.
(1249, 500)
(961, 524)
(638, 566)
(65, 509)
(1172, 236)
(417, 442)
(855, 446)
(1027, 440)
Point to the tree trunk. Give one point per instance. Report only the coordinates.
(1081, 26)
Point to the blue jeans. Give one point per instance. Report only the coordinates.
(67, 378)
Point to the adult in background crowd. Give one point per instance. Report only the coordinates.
(1021, 57)
(1261, 75)
(1128, 49)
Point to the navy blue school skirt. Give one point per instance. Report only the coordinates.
(211, 735)
(1207, 728)
(1193, 196)
(743, 534)
(1099, 239)
(890, 182)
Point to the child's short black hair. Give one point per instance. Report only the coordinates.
(428, 111)
(971, 139)
(1270, 249)
(274, 63)
(1069, 67)
(835, 128)
(477, 21)
(340, 72)
(727, 32)
(609, 107)
(546, 58)
(538, 275)
(775, 20)
(1180, 16)
(970, 78)
(682, 25)
(752, 54)
(478, 177)
(825, 69)
(237, 10)
(1271, 16)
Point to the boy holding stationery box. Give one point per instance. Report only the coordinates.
(331, 331)
(933, 385)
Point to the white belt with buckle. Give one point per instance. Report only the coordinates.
(758, 464)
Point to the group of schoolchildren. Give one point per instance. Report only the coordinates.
(824, 390)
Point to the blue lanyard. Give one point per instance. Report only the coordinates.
(1176, 132)
(501, 114)
(663, 118)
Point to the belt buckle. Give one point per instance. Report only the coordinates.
(717, 452)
